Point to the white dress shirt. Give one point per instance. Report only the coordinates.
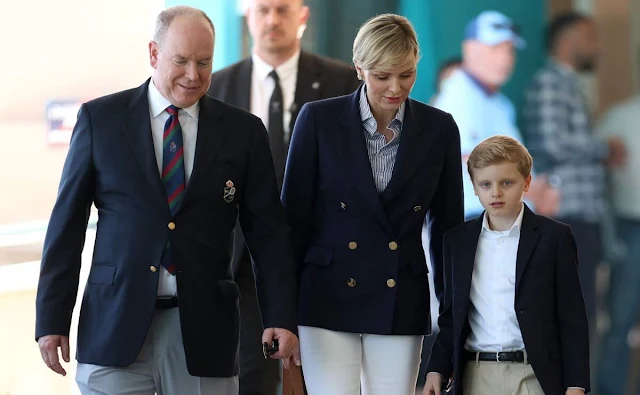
(492, 315)
(188, 118)
(262, 88)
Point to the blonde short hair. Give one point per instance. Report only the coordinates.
(500, 149)
(385, 41)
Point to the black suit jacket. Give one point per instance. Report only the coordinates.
(318, 78)
(360, 257)
(111, 162)
(548, 304)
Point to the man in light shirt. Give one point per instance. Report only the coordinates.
(622, 122)
(273, 83)
(472, 94)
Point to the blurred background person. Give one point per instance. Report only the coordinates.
(273, 83)
(560, 136)
(445, 70)
(613, 373)
(472, 94)
(363, 172)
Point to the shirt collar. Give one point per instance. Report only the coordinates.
(285, 70)
(366, 114)
(159, 103)
(562, 68)
(483, 87)
(515, 228)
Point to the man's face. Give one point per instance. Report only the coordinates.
(274, 24)
(585, 45)
(183, 61)
(493, 64)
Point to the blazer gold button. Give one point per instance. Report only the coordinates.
(343, 205)
(417, 208)
(351, 283)
(391, 283)
(153, 269)
(171, 226)
(353, 245)
(393, 246)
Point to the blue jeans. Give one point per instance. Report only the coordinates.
(624, 307)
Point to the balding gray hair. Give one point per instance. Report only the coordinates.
(164, 19)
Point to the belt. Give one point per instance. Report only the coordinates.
(503, 356)
(166, 302)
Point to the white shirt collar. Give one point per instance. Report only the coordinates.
(286, 69)
(158, 103)
(365, 109)
(515, 228)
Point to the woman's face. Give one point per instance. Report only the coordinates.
(388, 88)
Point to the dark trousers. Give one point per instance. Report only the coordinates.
(589, 242)
(258, 376)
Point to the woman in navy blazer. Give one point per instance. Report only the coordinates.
(363, 173)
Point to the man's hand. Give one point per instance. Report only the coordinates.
(289, 347)
(433, 384)
(49, 350)
(617, 152)
(545, 198)
(574, 391)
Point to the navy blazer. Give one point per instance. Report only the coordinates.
(111, 162)
(361, 263)
(548, 304)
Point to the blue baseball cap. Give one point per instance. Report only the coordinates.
(492, 28)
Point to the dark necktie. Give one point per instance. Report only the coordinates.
(276, 129)
(173, 176)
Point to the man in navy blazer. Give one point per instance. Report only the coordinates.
(132, 297)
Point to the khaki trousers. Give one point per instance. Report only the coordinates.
(500, 378)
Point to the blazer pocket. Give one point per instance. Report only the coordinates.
(102, 274)
(319, 255)
(229, 288)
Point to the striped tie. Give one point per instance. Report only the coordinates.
(173, 176)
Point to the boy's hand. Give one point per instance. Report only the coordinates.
(574, 391)
(433, 384)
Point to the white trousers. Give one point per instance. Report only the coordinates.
(340, 363)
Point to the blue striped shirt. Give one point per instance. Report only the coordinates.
(382, 155)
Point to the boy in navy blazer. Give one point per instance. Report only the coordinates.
(513, 319)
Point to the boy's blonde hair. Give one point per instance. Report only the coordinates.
(500, 149)
(385, 41)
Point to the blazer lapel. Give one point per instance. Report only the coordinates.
(137, 123)
(308, 85)
(211, 134)
(352, 151)
(414, 148)
(463, 267)
(529, 237)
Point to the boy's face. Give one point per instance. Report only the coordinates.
(500, 188)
